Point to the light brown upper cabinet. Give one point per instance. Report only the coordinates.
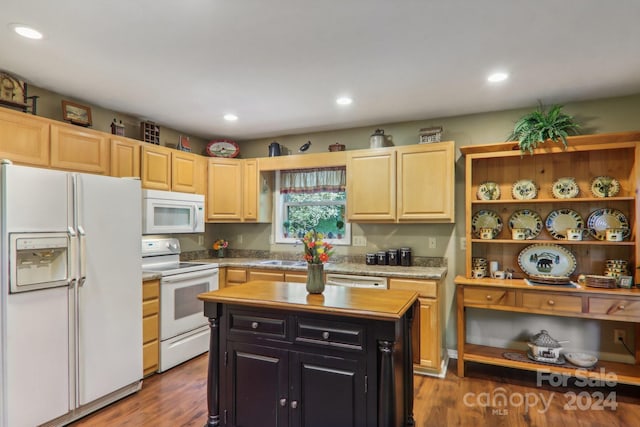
(412, 183)
(237, 191)
(24, 139)
(125, 157)
(79, 149)
(167, 169)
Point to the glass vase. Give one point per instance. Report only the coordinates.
(221, 252)
(315, 278)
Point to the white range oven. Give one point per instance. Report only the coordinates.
(184, 330)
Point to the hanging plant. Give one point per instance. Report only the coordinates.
(539, 126)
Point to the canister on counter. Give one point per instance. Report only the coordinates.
(371, 259)
(405, 257)
(392, 256)
(382, 258)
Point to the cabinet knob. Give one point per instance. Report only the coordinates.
(621, 307)
(489, 297)
(254, 325)
(283, 402)
(325, 335)
(551, 302)
(294, 404)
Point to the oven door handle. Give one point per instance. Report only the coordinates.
(181, 277)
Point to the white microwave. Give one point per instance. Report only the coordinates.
(169, 212)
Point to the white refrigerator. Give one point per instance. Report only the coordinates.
(70, 301)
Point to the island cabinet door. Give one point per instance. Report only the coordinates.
(258, 377)
(327, 391)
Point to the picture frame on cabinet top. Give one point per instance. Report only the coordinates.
(76, 114)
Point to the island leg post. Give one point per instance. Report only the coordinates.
(213, 376)
(386, 396)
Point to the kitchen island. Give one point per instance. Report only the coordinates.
(282, 357)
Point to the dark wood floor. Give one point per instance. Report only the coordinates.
(178, 398)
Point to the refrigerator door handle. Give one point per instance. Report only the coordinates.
(83, 258)
(73, 254)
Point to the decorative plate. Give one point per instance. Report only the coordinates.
(546, 279)
(559, 220)
(583, 360)
(486, 219)
(488, 190)
(223, 148)
(526, 219)
(605, 186)
(601, 219)
(565, 188)
(524, 189)
(546, 259)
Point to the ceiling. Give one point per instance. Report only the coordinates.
(279, 65)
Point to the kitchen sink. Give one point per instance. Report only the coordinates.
(283, 262)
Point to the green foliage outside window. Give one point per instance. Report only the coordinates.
(322, 211)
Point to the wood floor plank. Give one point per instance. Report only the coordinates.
(178, 398)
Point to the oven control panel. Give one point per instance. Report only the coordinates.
(160, 246)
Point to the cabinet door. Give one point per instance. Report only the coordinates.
(250, 190)
(125, 158)
(81, 150)
(371, 185)
(224, 190)
(183, 172)
(430, 348)
(24, 139)
(425, 182)
(258, 377)
(156, 168)
(328, 391)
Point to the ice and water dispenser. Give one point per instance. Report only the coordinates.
(38, 261)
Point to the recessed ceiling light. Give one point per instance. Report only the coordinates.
(27, 32)
(230, 117)
(498, 77)
(344, 100)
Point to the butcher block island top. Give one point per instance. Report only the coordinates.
(339, 300)
(280, 356)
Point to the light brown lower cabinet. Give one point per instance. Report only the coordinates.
(427, 325)
(150, 326)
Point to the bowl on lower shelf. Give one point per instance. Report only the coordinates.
(583, 360)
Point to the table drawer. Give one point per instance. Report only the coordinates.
(620, 308)
(327, 333)
(489, 296)
(552, 302)
(268, 326)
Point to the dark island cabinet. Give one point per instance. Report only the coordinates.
(296, 366)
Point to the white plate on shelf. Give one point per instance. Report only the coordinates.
(546, 259)
(601, 219)
(605, 186)
(486, 219)
(565, 188)
(528, 219)
(524, 189)
(559, 220)
(488, 190)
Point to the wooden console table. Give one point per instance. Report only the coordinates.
(516, 296)
(281, 357)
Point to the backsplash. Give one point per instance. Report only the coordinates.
(416, 261)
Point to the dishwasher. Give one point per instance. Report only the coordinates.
(353, 281)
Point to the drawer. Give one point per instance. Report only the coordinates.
(150, 307)
(328, 333)
(552, 302)
(272, 275)
(425, 288)
(150, 289)
(269, 326)
(150, 328)
(150, 357)
(619, 308)
(236, 275)
(489, 296)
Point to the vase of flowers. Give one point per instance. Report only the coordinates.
(220, 246)
(316, 253)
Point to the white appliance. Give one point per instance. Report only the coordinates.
(70, 294)
(353, 281)
(184, 330)
(169, 212)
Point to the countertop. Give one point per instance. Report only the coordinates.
(433, 273)
(335, 300)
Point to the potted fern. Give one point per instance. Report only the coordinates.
(540, 126)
